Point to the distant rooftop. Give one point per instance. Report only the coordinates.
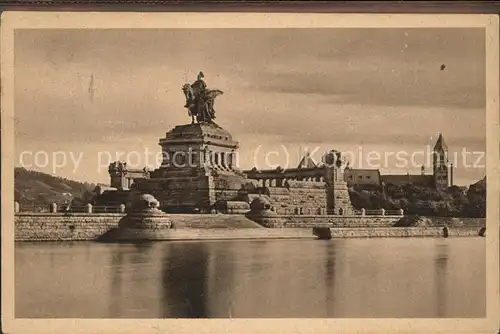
(440, 144)
(307, 162)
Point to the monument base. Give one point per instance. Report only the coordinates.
(198, 170)
(141, 221)
(339, 201)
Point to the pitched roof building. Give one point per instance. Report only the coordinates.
(308, 170)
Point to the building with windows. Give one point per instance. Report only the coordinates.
(308, 170)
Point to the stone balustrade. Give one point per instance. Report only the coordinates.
(90, 209)
(55, 208)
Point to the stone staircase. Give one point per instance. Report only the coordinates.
(201, 221)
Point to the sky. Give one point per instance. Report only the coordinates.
(86, 97)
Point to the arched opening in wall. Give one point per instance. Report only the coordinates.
(341, 211)
(229, 161)
(216, 158)
(223, 159)
(273, 183)
(446, 232)
(322, 179)
(296, 211)
(266, 183)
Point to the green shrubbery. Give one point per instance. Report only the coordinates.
(424, 201)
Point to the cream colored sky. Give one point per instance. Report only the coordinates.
(367, 89)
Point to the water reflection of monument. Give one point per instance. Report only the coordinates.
(224, 280)
(440, 279)
(183, 281)
(133, 293)
(330, 271)
(243, 280)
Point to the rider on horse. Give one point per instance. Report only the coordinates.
(199, 86)
(200, 100)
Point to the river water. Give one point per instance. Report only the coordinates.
(421, 277)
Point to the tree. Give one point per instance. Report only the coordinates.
(423, 200)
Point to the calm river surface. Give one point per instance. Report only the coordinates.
(422, 277)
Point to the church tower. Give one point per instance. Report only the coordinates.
(440, 164)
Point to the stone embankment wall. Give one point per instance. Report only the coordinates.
(400, 232)
(310, 221)
(464, 231)
(422, 221)
(368, 221)
(339, 221)
(82, 226)
(301, 197)
(212, 234)
(63, 226)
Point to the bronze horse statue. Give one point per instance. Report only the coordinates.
(200, 104)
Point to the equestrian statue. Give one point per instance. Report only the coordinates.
(200, 100)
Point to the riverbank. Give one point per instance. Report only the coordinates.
(399, 232)
(84, 226)
(105, 227)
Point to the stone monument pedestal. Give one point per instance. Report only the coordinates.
(199, 168)
(143, 222)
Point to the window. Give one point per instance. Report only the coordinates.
(360, 177)
(350, 177)
(368, 177)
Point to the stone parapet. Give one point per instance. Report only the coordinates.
(63, 226)
(309, 221)
(81, 226)
(402, 232)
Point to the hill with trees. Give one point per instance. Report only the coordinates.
(37, 190)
